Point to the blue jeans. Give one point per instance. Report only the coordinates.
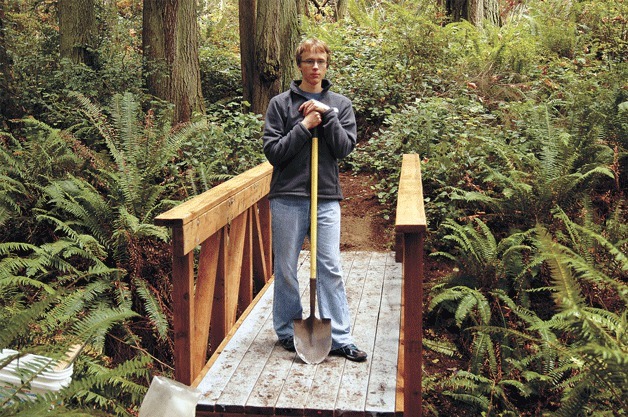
(290, 226)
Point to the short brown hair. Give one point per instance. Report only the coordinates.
(312, 44)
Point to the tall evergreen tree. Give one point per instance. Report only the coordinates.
(268, 65)
(170, 40)
(247, 15)
(475, 11)
(8, 108)
(78, 31)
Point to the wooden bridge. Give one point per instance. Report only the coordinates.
(222, 295)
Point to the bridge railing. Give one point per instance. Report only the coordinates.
(222, 254)
(410, 228)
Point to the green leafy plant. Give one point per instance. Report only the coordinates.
(229, 145)
(576, 354)
(55, 305)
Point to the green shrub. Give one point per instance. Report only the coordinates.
(230, 145)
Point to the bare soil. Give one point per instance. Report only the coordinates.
(366, 224)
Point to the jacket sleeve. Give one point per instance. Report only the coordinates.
(340, 130)
(281, 146)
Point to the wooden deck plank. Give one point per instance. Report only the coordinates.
(320, 381)
(381, 397)
(243, 379)
(214, 383)
(240, 346)
(352, 396)
(269, 384)
(325, 388)
(254, 375)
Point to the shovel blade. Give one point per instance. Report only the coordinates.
(312, 339)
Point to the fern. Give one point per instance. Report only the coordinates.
(580, 351)
(482, 261)
(441, 346)
(141, 153)
(153, 308)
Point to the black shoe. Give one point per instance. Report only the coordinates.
(350, 352)
(288, 344)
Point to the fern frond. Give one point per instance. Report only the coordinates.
(153, 308)
(473, 300)
(97, 323)
(482, 350)
(22, 281)
(19, 324)
(73, 305)
(479, 401)
(567, 295)
(102, 386)
(94, 114)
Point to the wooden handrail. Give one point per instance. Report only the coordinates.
(411, 227)
(221, 251)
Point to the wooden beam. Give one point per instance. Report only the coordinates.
(207, 213)
(235, 255)
(410, 228)
(245, 294)
(257, 251)
(204, 297)
(413, 323)
(266, 232)
(183, 316)
(217, 327)
(410, 216)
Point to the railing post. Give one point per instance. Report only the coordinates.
(183, 316)
(413, 326)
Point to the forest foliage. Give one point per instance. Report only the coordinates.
(523, 134)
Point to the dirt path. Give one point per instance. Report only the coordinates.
(363, 226)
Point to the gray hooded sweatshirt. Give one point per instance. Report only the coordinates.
(287, 143)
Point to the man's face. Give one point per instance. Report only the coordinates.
(313, 67)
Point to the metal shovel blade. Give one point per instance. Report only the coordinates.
(312, 339)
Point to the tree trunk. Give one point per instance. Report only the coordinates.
(247, 12)
(170, 47)
(8, 107)
(491, 12)
(267, 81)
(77, 31)
(276, 33)
(475, 11)
(289, 38)
(340, 9)
(302, 8)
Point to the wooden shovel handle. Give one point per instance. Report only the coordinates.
(313, 219)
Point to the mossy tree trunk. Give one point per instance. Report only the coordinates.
(247, 18)
(475, 11)
(78, 31)
(170, 42)
(269, 32)
(8, 109)
(340, 9)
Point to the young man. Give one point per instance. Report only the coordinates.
(291, 120)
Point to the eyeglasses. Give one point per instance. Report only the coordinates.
(311, 62)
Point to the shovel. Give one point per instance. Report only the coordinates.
(312, 336)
